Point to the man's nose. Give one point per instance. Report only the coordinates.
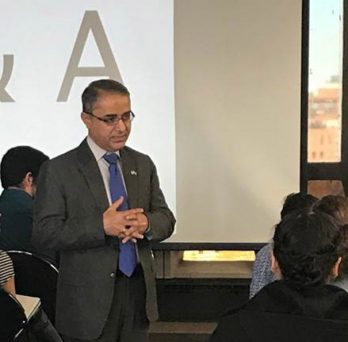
(120, 126)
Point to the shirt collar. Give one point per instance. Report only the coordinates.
(97, 151)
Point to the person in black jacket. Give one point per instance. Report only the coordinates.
(301, 306)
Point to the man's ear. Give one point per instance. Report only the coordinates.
(28, 179)
(86, 119)
(275, 268)
(27, 183)
(335, 268)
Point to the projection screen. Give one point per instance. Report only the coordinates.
(215, 86)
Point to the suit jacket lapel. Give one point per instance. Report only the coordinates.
(130, 175)
(90, 170)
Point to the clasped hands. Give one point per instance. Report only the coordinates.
(128, 224)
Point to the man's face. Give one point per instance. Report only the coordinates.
(109, 137)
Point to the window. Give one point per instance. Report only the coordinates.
(325, 80)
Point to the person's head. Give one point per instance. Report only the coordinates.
(305, 248)
(297, 201)
(336, 206)
(104, 102)
(20, 167)
(343, 252)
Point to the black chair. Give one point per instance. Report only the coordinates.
(36, 277)
(12, 317)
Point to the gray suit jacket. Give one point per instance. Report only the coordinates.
(68, 208)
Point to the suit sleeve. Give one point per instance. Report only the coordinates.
(161, 219)
(53, 227)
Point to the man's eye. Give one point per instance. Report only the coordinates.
(126, 116)
(112, 119)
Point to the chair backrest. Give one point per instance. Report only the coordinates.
(36, 277)
(12, 317)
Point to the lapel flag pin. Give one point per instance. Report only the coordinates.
(133, 173)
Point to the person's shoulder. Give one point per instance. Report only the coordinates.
(16, 200)
(338, 290)
(4, 257)
(135, 154)
(70, 155)
(341, 283)
(62, 164)
(263, 259)
(268, 296)
(265, 250)
(229, 326)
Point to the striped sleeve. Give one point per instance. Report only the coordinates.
(6, 268)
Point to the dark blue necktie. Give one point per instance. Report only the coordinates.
(127, 259)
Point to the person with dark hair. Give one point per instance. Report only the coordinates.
(337, 207)
(342, 278)
(91, 94)
(334, 205)
(297, 201)
(301, 306)
(100, 205)
(262, 271)
(19, 170)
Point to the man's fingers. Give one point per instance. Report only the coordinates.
(126, 239)
(116, 204)
(129, 231)
(132, 213)
(133, 237)
(136, 227)
(132, 233)
(131, 217)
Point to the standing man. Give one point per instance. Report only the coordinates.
(100, 206)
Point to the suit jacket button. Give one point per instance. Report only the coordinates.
(112, 275)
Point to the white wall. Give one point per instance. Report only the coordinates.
(237, 85)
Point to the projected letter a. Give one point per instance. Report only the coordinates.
(91, 22)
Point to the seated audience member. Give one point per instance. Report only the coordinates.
(262, 272)
(336, 206)
(342, 279)
(7, 274)
(19, 170)
(301, 306)
(39, 325)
